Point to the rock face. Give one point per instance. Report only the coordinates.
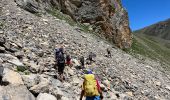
(107, 17)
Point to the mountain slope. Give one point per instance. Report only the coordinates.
(27, 43)
(154, 41)
(160, 30)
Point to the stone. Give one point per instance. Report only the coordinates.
(69, 71)
(106, 83)
(33, 67)
(12, 77)
(19, 92)
(43, 86)
(13, 60)
(64, 98)
(56, 83)
(75, 62)
(2, 49)
(57, 93)
(30, 80)
(167, 87)
(76, 81)
(158, 83)
(1, 32)
(2, 41)
(45, 96)
(103, 87)
(129, 94)
(19, 54)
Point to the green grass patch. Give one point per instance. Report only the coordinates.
(151, 48)
(69, 20)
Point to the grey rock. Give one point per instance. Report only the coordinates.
(30, 80)
(45, 96)
(2, 49)
(12, 77)
(15, 93)
(2, 41)
(11, 59)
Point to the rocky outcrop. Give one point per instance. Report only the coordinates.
(106, 17)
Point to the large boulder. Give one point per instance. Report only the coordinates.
(11, 92)
(45, 96)
(30, 80)
(43, 86)
(12, 77)
(13, 60)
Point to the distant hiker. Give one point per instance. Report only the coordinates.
(109, 53)
(82, 62)
(68, 60)
(58, 50)
(91, 88)
(91, 56)
(60, 61)
(1, 74)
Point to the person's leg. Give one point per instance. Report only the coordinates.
(62, 71)
(0, 80)
(89, 98)
(97, 98)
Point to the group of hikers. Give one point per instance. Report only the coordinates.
(90, 87)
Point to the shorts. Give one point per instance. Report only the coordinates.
(61, 67)
(93, 98)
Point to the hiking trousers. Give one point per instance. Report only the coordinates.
(93, 98)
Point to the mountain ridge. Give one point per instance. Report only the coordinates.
(160, 30)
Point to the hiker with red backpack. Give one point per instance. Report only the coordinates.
(60, 61)
(91, 88)
(68, 60)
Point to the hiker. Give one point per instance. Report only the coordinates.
(1, 74)
(68, 60)
(60, 61)
(91, 55)
(91, 88)
(82, 62)
(109, 53)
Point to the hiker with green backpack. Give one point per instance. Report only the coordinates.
(91, 88)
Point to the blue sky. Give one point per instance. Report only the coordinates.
(143, 13)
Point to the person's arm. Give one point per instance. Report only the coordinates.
(99, 89)
(82, 94)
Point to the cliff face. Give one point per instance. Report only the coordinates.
(107, 17)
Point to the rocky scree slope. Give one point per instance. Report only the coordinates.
(26, 52)
(106, 17)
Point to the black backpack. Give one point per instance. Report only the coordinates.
(61, 58)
